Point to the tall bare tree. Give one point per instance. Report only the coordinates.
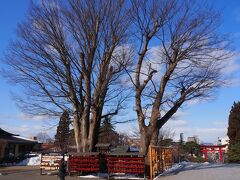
(70, 55)
(179, 59)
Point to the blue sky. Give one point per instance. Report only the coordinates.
(208, 119)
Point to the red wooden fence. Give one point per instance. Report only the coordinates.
(132, 164)
(84, 162)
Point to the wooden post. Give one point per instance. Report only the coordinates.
(41, 165)
(151, 163)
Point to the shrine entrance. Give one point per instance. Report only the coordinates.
(213, 153)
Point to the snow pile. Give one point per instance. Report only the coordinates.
(175, 168)
(129, 177)
(113, 176)
(184, 166)
(32, 161)
(93, 176)
(89, 176)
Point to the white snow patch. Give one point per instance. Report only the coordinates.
(187, 166)
(127, 177)
(174, 168)
(113, 176)
(32, 161)
(99, 175)
(89, 176)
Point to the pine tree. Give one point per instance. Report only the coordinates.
(234, 153)
(234, 124)
(63, 132)
(107, 133)
(234, 133)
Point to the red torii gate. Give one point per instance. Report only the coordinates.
(205, 149)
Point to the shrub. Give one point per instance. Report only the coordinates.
(234, 153)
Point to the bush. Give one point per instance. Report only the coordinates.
(234, 153)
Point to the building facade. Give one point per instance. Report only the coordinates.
(12, 145)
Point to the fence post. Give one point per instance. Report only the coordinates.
(151, 164)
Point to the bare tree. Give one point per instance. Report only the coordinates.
(70, 55)
(43, 137)
(166, 133)
(184, 64)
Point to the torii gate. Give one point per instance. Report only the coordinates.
(205, 149)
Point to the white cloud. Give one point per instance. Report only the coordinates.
(23, 116)
(211, 134)
(211, 130)
(26, 130)
(234, 82)
(231, 65)
(219, 123)
(176, 123)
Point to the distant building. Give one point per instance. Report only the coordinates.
(223, 141)
(12, 145)
(193, 139)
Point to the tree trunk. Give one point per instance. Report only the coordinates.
(77, 132)
(94, 129)
(84, 135)
(145, 141)
(154, 136)
(149, 136)
(91, 135)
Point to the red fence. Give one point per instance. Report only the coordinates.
(125, 164)
(87, 162)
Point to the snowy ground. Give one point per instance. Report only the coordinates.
(32, 161)
(112, 176)
(35, 160)
(184, 166)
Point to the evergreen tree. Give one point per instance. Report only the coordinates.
(107, 133)
(234, 133)
(234, 124)
(63, 132)
(234, 153)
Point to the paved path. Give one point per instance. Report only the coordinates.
(30, 173)
(201, 172)
(188, 172)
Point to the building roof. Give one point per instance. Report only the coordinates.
(15, 138)
(5, 133)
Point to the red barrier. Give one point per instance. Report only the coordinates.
(125, 164)
(78, 163)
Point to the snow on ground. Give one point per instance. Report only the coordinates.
(187, 166)
(113, 176)
(32, 161)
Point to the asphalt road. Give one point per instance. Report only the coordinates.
(212, 172)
